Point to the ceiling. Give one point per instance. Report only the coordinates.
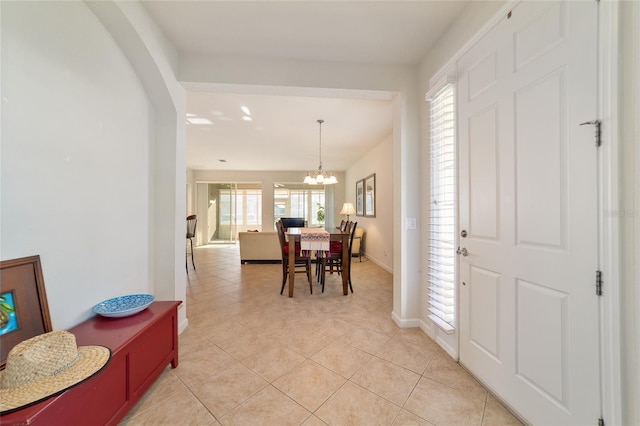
(369, 32)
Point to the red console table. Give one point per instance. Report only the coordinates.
(142, 346)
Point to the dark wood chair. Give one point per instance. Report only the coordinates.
(333, 259)
(329, 259)
(192, 221)
(351, 237)
(300, 260)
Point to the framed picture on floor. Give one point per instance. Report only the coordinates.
(24, 311)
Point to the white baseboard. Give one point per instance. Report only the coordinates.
(427, 327)
(405, 323)
(377, 262)
(431, 330)
(182, 326)
(453, 353)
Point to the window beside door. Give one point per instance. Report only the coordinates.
(442, 208)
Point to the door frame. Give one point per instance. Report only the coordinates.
(610, 258)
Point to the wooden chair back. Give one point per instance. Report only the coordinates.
(192, 221)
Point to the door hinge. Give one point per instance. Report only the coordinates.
(600, 421)
(598, 125)
(598, 283)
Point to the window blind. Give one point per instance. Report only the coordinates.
(442, 209)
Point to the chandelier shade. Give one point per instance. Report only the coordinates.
(320, 176)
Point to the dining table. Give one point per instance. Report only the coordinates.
(318, 240)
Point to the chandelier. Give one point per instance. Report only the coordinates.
(319, 176)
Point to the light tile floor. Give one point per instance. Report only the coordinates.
(253, 357)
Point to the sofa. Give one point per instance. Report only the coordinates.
(259, 247)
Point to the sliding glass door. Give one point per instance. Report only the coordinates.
(228, 208)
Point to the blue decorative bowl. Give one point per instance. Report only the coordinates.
(123, 306)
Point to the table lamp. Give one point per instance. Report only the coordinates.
(347, 208)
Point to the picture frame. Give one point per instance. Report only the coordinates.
(370, 196)
(360, 198)
(23, 303)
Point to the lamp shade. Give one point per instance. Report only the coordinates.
(347, 208)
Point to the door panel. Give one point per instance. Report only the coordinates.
(528, 179)
(483, 183)
(482, 75)
(540, 35)
(539, 145)
(542, 331)
(484, 304)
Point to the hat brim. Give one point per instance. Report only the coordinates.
(90, 361)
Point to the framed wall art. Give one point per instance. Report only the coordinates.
(370, 196)
(24, 310)
(360, 198)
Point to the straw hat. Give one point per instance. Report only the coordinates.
(47, 365)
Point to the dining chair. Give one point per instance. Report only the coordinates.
(353, 233)
(357, 245)
(326, 259)
(329, 259)
(300, 260)
(192, 221)
(333, 259)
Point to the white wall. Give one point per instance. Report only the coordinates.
(154, 60)
(75, 157)
(190, 199)
(379, 229)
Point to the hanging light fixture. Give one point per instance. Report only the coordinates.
(319, 176)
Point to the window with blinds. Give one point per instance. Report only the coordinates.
(442, 209)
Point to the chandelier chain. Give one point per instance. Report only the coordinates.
(320, 151)
(320, 176)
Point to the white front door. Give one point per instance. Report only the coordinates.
(528, 203)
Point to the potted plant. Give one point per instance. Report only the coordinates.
(320, 213)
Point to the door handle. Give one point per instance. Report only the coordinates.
(463, 251)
